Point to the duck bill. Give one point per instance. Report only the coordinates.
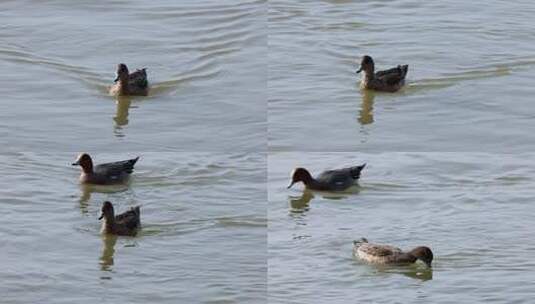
(101, 216)
(359, 70)
(76, 163)
(116, 79)
(290, 185)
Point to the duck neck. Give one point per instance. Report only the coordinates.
(123, 86)
(309, 181)
(108, 224)
(88, 167)
(407, 257)
(369, 74)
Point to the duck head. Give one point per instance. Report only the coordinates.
(423, 254)
(366, 65)
(107, 211)
(122, 73)
(84, 161)
(300, 175)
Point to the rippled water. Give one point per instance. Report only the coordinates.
(58, 59)
(475, 210)
(230, 79)
(203, 236)
(469, 81)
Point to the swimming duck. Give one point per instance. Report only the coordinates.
(132, 84)
(388, 80)
(385, 254)
(104, 174)
(127, 223)
(332, 180)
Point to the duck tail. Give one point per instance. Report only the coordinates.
(404, 70)
(133, 161)
(355, 171)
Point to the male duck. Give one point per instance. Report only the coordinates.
(385, 254)
(332, 180)
(104, 174)
(132, 84)
(388, 80)
(127, 223)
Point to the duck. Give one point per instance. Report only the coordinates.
(386, 254)
(390, 80)
(104, 174)
(130, 84)
(331, 180)
(127, 223)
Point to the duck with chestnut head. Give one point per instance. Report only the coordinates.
(331, 180)
(104, 174)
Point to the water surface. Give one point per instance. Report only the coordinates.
(205, 60)
(475, 210)
(469, 81)
(203, 237)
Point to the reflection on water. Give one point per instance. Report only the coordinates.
(108, 250)
(121, 112)
(88, 189)
(414, 271)
(366, 110)
(300, 204)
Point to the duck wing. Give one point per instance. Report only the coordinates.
(130, 218)
(393, 76)
(116, 168)
(138, 78)
(377, 250)
(336, 179)
(341, 176)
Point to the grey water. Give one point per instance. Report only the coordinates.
(475, 210)
(469, 85)
(203, 236)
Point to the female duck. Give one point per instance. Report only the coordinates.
(332, 180)
(388, 80)
(127, 223)
(104, 174)
(385, 254)
(132, 84)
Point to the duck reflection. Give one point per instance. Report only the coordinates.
(121, 114)
(366, 111)
(88, 189)
(108, 250)
(414, 272)
(300, 204)
(85, 197)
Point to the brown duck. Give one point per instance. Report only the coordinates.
(130, 84)
(385, 254)
(127, 223)
(390, 80)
